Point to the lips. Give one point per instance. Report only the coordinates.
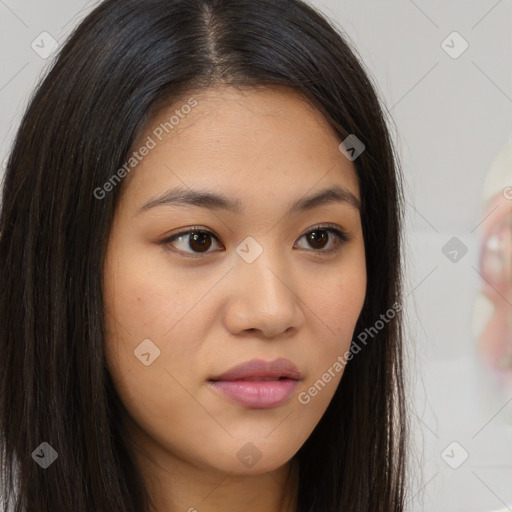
(258, 384)
(257, 369)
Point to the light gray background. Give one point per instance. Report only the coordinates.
(452, 117)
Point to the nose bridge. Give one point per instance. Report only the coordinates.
(263, 297)
(263, 269)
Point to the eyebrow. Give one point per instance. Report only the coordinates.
(214, 201)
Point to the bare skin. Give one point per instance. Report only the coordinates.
(209, 311)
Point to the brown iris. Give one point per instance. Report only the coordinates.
(318, 236)
(200, 241)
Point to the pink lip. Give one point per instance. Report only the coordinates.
(259, 384)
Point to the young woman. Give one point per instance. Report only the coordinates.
(200, 261)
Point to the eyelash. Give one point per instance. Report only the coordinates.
(341, 238)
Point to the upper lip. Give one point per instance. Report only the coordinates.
(279, 368)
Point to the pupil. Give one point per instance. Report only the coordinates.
(201, 239)
(317, 236)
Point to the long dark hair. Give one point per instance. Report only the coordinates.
(124, 60)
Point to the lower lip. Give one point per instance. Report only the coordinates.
(257, 394)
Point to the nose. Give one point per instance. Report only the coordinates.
(264, 298)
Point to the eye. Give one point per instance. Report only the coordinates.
(319, 236)
(197, 241)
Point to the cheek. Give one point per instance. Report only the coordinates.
(338, 297)
(140, 309)
(336, 305)
(144, 299)
(144, 313)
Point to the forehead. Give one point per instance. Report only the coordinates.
(254, 143)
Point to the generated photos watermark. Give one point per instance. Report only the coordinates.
(151, 143)
(304, 397)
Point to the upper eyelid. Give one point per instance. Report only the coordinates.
(199, 229)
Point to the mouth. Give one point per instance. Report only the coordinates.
(257, 379)
(258, 384)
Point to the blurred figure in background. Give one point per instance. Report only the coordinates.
(495, 267)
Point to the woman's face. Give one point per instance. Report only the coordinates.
(257, 282)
